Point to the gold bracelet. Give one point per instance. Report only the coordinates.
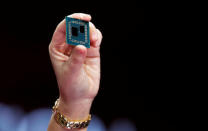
(68, 123)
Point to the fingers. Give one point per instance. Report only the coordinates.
(94, 36)
(94, 50)
(59, 35)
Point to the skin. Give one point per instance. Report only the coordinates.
(77, 71)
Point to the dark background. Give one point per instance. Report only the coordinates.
(135, 71)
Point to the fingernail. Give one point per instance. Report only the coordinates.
(97, 42)
(94, 32)
(95, 35)
(92, 25)
(88, 15)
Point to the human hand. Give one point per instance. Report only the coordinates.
(77, 69)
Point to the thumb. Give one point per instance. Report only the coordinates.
(77, 59)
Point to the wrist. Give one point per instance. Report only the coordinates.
(75, 109)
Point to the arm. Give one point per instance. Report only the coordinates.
(77, 70)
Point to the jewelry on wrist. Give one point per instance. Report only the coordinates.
(68, 123)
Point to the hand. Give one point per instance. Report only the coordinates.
(77, 68)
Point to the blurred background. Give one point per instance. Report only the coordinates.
(130, 66)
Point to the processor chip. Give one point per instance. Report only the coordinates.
(77, 32)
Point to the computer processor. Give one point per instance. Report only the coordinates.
(77, 32)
